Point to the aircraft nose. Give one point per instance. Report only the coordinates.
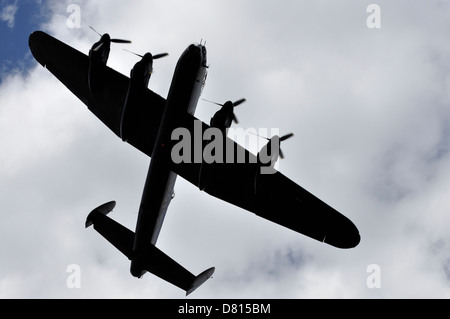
(194, 48)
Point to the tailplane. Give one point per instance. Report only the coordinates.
(151, 258)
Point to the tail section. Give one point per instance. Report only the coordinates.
(161, 265)
(119, 236)
(150, 259)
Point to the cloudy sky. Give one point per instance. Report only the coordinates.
(370, 109)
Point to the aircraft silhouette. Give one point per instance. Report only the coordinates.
(147, 121)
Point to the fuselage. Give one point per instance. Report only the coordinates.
(185, 90)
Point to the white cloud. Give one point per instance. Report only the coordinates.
(369, 109)
(8, 14)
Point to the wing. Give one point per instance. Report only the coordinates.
(71, 67)
(271, 196)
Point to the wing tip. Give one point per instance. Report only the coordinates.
(34, 41)
(346, 238)
(200, 280)
(104, 209)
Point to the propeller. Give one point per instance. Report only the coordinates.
(155, 57)
(281, 139)
(111, 40)
(284, 138)
(231, 105)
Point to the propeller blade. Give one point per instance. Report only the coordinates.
(120, 41)
(141, 56)
(235, 119)
(112, 40)
(238, 102)
(281, 154)
(95, 31)
(212, 102)
(259, 136)
(285, 137)
(161, 55)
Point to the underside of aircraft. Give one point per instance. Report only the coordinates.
(147, 121)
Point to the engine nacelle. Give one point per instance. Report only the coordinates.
(142, 71)
(266, 160)
(220, 120)
(139, 78)
(98, 57)
(223, 117)
(203, 176)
